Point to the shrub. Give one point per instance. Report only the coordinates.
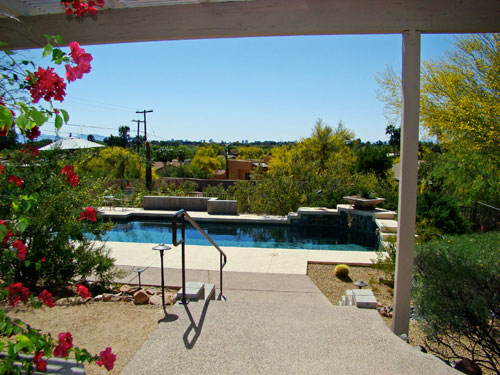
(373, 160)
(441, 212)
(55, 232)
(341, 271)
(386, 260)
(457, 293)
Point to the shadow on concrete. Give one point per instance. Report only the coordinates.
(168, 317)
(189, 344)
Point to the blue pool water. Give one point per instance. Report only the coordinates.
(282, 236)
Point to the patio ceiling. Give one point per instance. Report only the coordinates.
(147, 20)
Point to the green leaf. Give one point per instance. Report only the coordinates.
(23, 122)
(38, 266)
(24, 107)
(3, 232)
(2, 345)
(57, 55)
(47, 50)
(3, 44)
(23, 224)
(27, 263)
(65, 115)
(39, 117)
(58, 39)
(58, 122)
(6, 116)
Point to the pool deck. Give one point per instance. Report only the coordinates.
(240, 259)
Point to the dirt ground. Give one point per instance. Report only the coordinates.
(96, 325)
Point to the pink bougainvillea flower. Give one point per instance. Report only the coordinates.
(17, 293)
(42, 260)
(81, 7)
(67, 169)
(89, 213)
(65, 344)
(17, 180)
(2, 170)
(72, 74)
(32, 133)
(72, 178)
(4, 131)
(107, 359)
(21, 249)
(40, 363)
(46, 297)
(46, 84)
(82, 61)
(84, 292)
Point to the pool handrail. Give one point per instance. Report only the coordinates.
(223, 258)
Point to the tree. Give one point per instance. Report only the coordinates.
(90, 138)
(324, 143)
(207, 160)
(250, 152)
(394, 138)
(460, 98)
(122, 140)
(114, 162)
(373, 159)
(165, 154)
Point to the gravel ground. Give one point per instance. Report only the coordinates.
(96, 325)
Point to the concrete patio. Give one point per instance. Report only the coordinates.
(272, 324)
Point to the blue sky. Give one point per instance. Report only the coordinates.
(267, 88)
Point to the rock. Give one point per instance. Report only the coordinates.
(404, 337)
(106, 297)
(98, 298)
(170, 298)
(151, 291)
(116, 298)
(126, 289)
(141, 297)
(468, 366)
(155, 300)
(115, 291)
(62, 302)
(126, 298)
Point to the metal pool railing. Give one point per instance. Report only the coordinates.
(182, 241)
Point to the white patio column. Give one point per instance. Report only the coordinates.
(408, 181)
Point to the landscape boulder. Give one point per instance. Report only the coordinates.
(141, 297)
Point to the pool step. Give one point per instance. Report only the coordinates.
(196, 290)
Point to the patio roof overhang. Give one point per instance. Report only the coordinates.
(151, 20)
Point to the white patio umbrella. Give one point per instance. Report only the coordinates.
(70, 143)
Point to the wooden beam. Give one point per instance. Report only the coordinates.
(257, 18)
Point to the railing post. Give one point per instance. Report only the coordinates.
(183, 232)
(220, 275)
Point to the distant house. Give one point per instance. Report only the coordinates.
(241, 169)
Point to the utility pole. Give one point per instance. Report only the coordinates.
(138, 132)
(144, 112)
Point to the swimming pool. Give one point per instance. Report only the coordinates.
(284, 236)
